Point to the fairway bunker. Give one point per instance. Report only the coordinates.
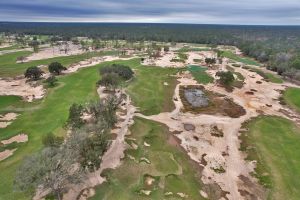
(197, 100)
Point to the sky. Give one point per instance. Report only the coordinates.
(258, 12)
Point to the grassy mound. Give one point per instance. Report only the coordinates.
(274, 143)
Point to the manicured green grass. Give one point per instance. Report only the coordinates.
(9, 67)
(169, 166)
(148, 91)
(6, 101)
(200, 75)
(292, 97)
(245, 60)
(274, 142)
(48, 115)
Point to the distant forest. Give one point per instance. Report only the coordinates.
(278, 47)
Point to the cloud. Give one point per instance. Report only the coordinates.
(164, 11)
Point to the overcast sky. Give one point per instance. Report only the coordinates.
(284, 12)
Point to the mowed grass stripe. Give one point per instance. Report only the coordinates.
(274, 142)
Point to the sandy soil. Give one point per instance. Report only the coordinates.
(165, 59)
(20, 87)
(56, 51)
(215, 153)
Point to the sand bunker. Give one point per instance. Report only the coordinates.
(7, 119)
(18, 138)
(21, 87)
(6, 153)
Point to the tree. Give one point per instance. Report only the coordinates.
(92, 150)
(225, 78)
(166, 49)
(296, 63)
(53, 169)
(33, 73)
(75, 114)
(21, 59)
(35, 45)
(110, 80)
(51, 80)
(50, 140)
(56, 68)
(210, 61)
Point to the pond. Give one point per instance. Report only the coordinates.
(196, 97)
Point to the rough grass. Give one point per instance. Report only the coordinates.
(274, 142)
(291, 96)
(200, 75)
(245, 60)
(170, 166)
(9, 67)
(148, 91)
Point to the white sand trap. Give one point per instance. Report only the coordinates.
(8, 117)
(18, 138)
(6, 153)
(19, 87)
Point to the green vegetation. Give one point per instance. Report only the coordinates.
(167, 166)
(266, 75)
(200, 75)
(148, 91)
(274, 143)
(292, 97)
(245, 60)
(9, 67)
(6, 101)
